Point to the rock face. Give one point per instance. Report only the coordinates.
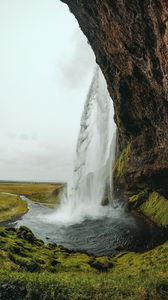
(130, 41)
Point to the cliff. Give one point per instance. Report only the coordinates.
(130, 41)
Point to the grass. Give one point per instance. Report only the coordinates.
(11, 206)
(45, 193)
(32, 270)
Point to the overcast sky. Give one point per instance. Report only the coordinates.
(46, 67)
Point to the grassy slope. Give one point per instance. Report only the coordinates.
(46, 193)
(156, 208)
(32, 270)
(11, 206)
(152, 205)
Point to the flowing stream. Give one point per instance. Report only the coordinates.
(81, 222)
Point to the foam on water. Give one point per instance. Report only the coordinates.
(94, 157)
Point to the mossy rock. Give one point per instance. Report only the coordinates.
(135, 201)
(26, 234)
(121, 164)
(34, 270)
(102, 264)
(21, 250)
(156, 209)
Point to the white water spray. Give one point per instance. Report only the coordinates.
(94, 157)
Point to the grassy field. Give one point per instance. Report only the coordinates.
(11, 206)
(45, 193)
(33, 270)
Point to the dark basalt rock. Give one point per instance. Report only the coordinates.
(101, 267)
(12, 292)
(25, 233)
(129, 39)
(162, 289)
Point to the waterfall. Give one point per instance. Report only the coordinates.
(93, 165)
(92, 176)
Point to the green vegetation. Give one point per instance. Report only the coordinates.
(136, 200)
(122, 161)
(156, 209)
(152, 205)
(45, 193)
(32, 270)
(11, 206)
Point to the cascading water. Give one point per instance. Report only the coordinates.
(94, 156)
(93, 165)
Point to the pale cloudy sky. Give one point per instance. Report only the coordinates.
(46, 67)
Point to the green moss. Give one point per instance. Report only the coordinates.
(32, 270)
(28, 253)
(136, 200)
(156, 208)
(121, 163)
(11, 206)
